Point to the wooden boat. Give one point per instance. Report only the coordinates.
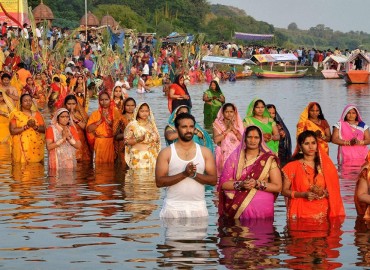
(334, 66)
(359, 73)
(285, 59)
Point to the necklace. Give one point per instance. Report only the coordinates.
(246, 161)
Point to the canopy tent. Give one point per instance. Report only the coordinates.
(335, 58)
(227, 60)
(272, 58)
(176, 38)
(249, 36)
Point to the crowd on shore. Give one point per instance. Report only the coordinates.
(250, 159)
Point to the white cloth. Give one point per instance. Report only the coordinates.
(187, 197)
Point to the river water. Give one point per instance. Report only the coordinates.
(102, 218)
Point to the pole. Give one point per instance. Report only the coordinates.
(86, 19)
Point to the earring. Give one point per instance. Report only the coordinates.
(300, 151)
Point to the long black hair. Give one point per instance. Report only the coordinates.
(300, 140)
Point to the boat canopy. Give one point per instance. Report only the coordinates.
(227, 60)
(250, 36)
(353, 56)
(272, 58)
(335, 58)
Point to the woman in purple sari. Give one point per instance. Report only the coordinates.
(250, 180)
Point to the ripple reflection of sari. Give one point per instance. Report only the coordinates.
(230, 141)
(247, 204)
(265, 127)
(352, 154)
(205, 141)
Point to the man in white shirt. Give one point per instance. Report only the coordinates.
(184, 168)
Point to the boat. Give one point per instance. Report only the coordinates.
(272, 59)
(334, 66)
(232, 61)
(357, 68)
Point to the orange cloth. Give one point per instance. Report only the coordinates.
(301, 178)
(305, 124)
(23, 74)
(178, 91)
(102, 138)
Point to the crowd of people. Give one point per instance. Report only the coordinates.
(249, 159)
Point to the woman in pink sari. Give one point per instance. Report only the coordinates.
(352, 136)
(250, 180)
(227, 133)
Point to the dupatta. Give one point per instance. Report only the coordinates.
(265, 127)
(234, 170)
(305, 124)
(355, 154)
(206, 141)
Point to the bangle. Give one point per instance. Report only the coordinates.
(292, 194)
(72, 141)
(36, 128)
(194, 175)
(238, 185)
(347, 143)
(263, 185)
(59, 142)
(25, 127)
(362, 142)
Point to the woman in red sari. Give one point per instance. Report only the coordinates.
(250, 179)
(311, 182)
(178, 94)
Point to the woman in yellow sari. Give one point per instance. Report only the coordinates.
(100, 129)
(6, 107)
(27, 128)
(142, 139)
(313, 119)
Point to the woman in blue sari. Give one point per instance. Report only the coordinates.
(201, 136)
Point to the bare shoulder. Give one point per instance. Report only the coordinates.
(205, 151)
(165, 153)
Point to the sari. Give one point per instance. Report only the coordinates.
(63, 156)
(205, 141)
(212, 107)
(102, 139)
(285, 144)
(28, 146)
(305, 124)
(362, 208)
(6, 108)
(303, 179)
(353, 154)
(139, 158)
(230, 142)
(265, 127)
(119, 126)
(179, 90)
(247, 204)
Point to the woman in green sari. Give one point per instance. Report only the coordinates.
(213, 100)
(257, 114)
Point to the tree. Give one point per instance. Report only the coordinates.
(293, 26)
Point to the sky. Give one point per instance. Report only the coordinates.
(339, 15)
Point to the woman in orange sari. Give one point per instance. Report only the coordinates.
(178, 94)
(100, 129)
(311, 182)
(313, 119)
(6, 107)
(362, 193)
(27, 128)
(79, 119)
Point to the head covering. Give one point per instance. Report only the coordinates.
(206, 141)
(58, 112)
(347, 109)
(238, 123)
(250, 109)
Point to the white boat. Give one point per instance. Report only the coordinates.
(334, 66)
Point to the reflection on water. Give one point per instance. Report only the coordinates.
(106, 218)
(247, 244)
